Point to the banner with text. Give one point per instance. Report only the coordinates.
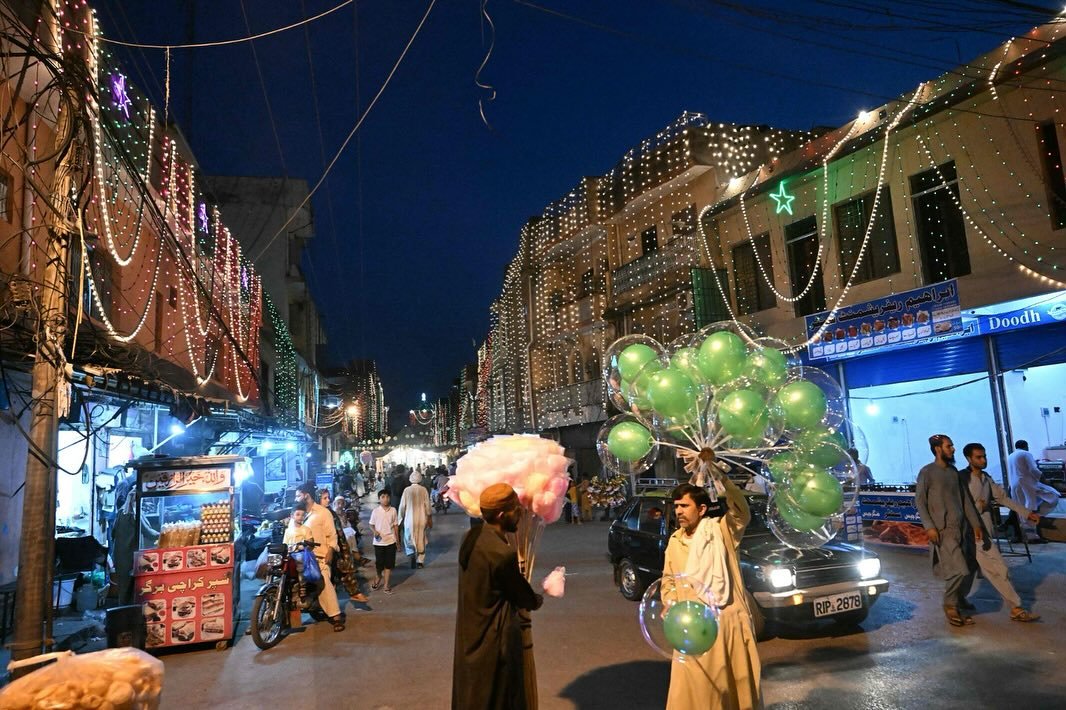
(915, 317)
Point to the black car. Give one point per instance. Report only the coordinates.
(838, 581)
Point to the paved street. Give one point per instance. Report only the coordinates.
(590, 653)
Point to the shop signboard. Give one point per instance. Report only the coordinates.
(915, 317)
(186, 594)
(195, 479)
(890, 517)
(1014, 315)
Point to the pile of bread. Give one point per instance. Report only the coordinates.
(115, 679)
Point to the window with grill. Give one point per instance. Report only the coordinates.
(752, 288)
(801, 240)
(649, 240)
(939, 224)
(881, 257)
(683, 222)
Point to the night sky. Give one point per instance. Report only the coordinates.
(404, 269)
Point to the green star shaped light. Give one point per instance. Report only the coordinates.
(783, 199)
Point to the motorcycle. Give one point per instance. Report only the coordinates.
(281, 594)
(441, 502)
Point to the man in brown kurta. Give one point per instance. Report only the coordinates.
(728, 675)
(489, 669)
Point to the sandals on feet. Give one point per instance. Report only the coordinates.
(388, 590)
(376, 585)
(338, 625)
(1022, 615)
(953, 616)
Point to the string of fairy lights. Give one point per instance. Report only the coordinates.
(216, 292)
(942, 120)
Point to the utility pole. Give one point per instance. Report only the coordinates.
(33, 618)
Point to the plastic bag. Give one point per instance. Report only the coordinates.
(312, 573)
(119, 678)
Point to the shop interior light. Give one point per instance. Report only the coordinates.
(290, 446)
(176, 429)
(872, 409)
(242, 472)
(268, 445)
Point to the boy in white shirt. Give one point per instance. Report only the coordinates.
(383, 523)
(296, 531)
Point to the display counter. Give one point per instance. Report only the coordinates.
(184, 569)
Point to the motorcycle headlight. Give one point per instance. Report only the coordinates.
(273, 561)
(869, 568)
(780, 578)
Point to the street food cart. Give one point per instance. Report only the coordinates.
(185, 574)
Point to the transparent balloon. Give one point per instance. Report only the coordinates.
(782, 524)
(629, 445)
(769, 361)
(835, 401)
(678, 617)
(685, 357)
(626, 365)
(824, 482)
(856, 439)
(741, 400)
(723, 349)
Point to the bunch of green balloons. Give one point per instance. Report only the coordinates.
(741, 395)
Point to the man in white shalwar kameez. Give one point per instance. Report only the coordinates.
(416, 516)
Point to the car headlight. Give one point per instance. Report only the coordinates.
(870, 567)
(780, 578)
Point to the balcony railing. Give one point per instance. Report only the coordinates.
(678, 256)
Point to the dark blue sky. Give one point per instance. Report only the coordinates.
(408, 279)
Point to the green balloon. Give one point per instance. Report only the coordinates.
(722, 357)
(633, 358)
(742, 412)
(672, 393)
(802, 403)
(747, 440)
(822, 447)
(629, 441)
(690, 627)
(816, 493)
(783, 465)
(766, 366)
(799, 520)
(636, 396)
(687, 360)
(643, 378)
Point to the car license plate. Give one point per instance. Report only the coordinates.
(837, 604)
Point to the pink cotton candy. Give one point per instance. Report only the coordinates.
(554, 584)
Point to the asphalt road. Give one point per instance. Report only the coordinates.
(590, 654)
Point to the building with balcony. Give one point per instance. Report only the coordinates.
(916, 253)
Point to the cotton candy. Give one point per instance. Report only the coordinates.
(554, 584)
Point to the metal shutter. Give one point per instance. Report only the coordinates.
(925, 362)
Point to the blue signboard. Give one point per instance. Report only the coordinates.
(1024, 313)
(915, 317)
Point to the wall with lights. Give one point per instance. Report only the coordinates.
(981, 148)
(160, 271)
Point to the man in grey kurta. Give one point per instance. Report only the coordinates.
(985, 493)
(948, 515)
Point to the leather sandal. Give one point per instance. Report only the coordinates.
(1020, 614)
(953, 616)
(338, 625)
